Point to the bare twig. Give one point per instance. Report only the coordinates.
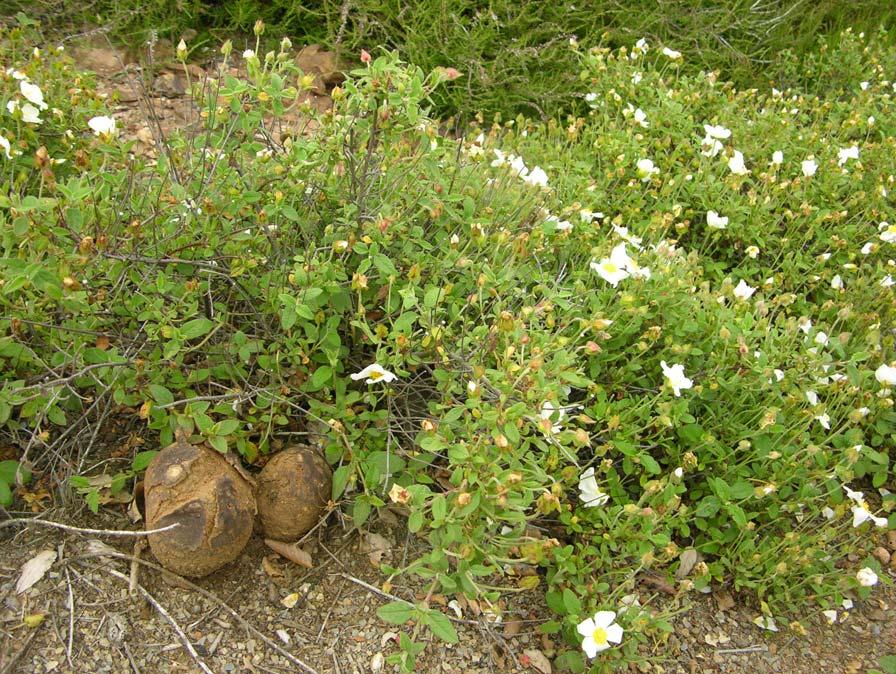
(214, 598)
(748, 649)
(25, 521)
(182, 637)
(71, 618)
(139, 546)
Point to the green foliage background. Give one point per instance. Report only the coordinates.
(515, 56)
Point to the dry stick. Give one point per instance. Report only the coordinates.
(71, 618)
(208, 595)
(184, 640)
(134, 582)
(127, 651)
(26, 521)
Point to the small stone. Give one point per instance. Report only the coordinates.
(882, 555)
(377, 662)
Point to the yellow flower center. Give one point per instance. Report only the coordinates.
(610, 267)
(600, 636)
(375, 375)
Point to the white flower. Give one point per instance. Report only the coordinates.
(636, 78)
(736, 164)
(536, 177)
(624, 234)
(887, 232)
(866, 577)
(599, 632)
(16, 74)
(766, 623)
(847, 153)
(827, 513)
(102, 125)
(589, 492)
(812, 397)
(678, 473)
(561, 225)
(861, 514)
(676, 378)
(646, 169)
(641, 45)
(615, 268)
(743, 291)
(805, 325)
(887, 281)
(671, 53)
(590, 97)
(711, 147)
(374, 373)
(778, 157)
(752, 252)
(837, 282)
(830, 616)
(822, 339)
(30, 114)
(716, 221)
(863, 85)
(886, 374)
(869, 248)
(641, 118)
(846, 604)
(779, 374)
(472, 387)
(248, 54)
(719, 132)
(824, 420)
(33, 93)
(4, 143)
(809, 167)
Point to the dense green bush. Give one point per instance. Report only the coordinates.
(535, 339)
(514, 56)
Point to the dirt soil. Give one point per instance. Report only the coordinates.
(264, 614)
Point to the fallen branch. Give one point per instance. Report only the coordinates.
(212, 597)
(182, 637)
(25, 521)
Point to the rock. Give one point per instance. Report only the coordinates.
(324, 65)
(882, 555)
(197, 489)
(292, 492)
(102, 60)
(170, 84)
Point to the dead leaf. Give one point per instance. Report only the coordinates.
(512, 628)
(270, 568)
(716, 639)
(687, 560)
(34, 569)
(290, 551)
(724, 600)
(97, 547)
(377, 546)
(290, 600)
(656, 581)
(538, 661)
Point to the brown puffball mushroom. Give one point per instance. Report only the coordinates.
(213, 505)
(292, 492)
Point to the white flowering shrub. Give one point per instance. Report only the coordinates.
(576, 355)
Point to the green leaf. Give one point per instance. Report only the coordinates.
(415, 521)
(196, 328)
(8, 472)
(142, 460)
(160, 394)
(93, 501)
(219, 442)
(322, 376)
(226, 427)
(571, 602)
(650, 464)
(361, 511)
(396, 612)
(5, 495)
(440, 625)
(384, 265)
(340, 479)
